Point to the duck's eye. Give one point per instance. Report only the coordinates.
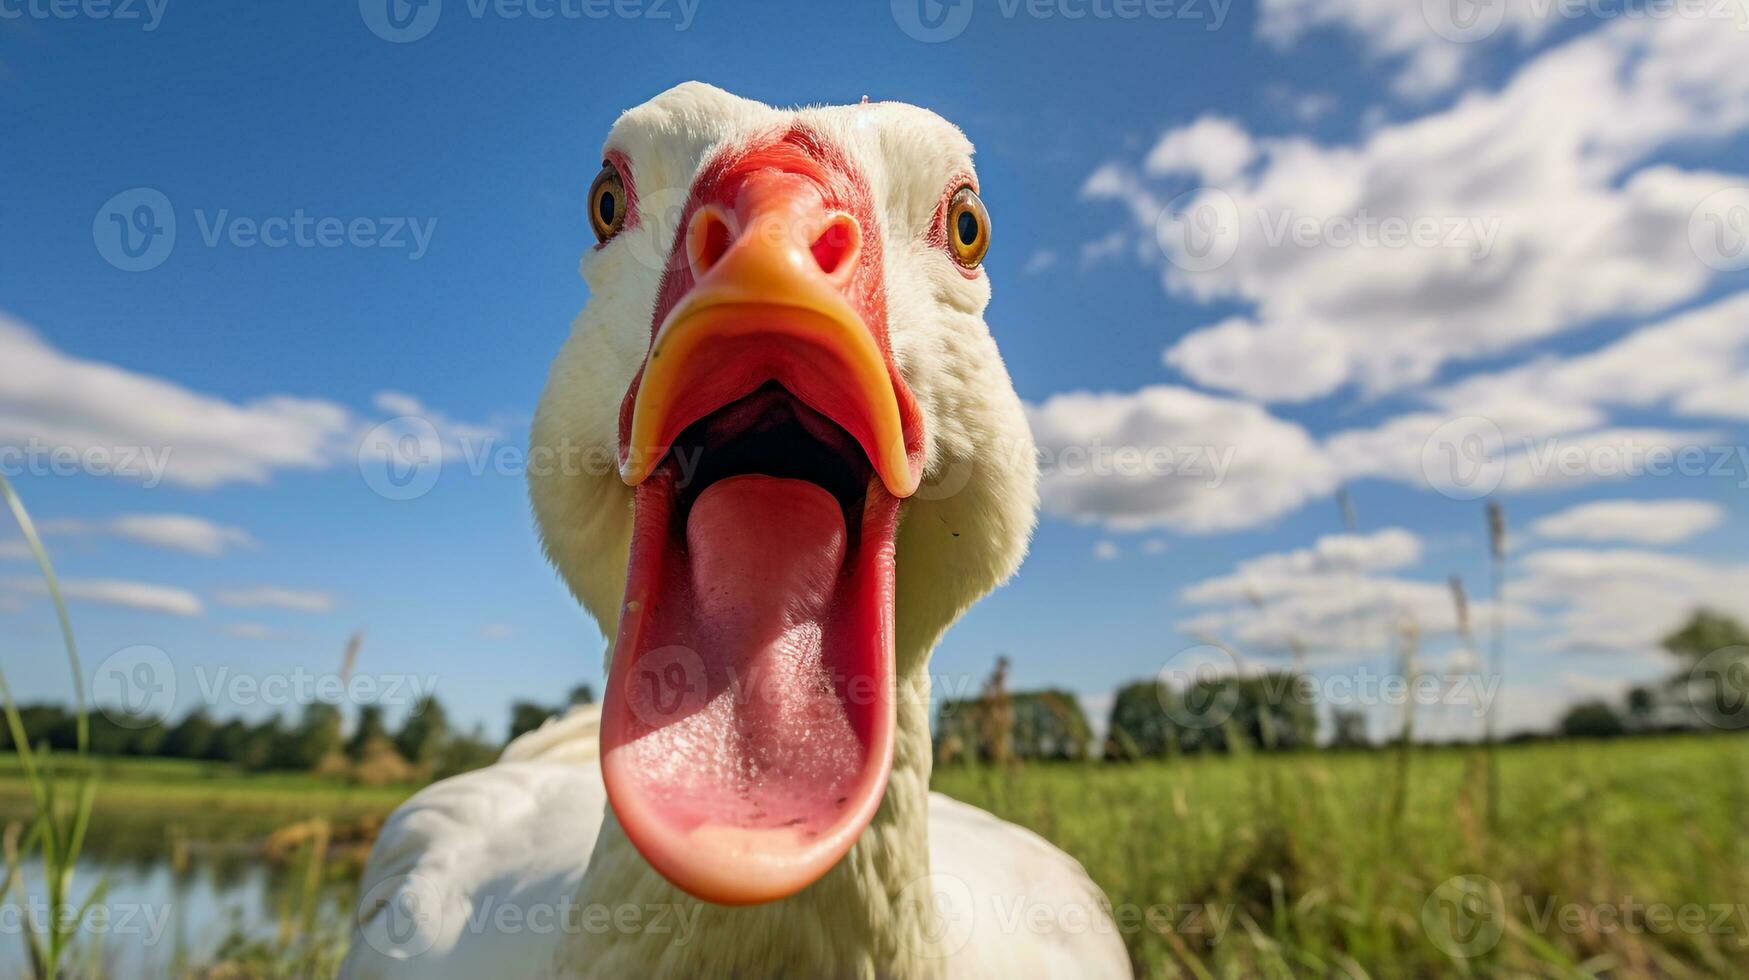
(968, 228)
(607, 203)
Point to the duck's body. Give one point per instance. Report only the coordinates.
(823, 464)
(517, 870)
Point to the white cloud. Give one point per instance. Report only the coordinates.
(275, 597)
(1214, 148)
(1409, 34)
(1546, 420)
(1636, 521)
(248, 631)
(1277, 362)
(1039, 261)
(1624, 600)
(15, 550)
(68, 414)
(178, 532)
(497, 631)
(1694, 364)
(1170, 457)
(1542, 211)
(1154, 546)
(1105, 550)
(1282, 573)
(197, 440)
(116, 592)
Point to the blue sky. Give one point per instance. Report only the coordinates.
(1595, 152)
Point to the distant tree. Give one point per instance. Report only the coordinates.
(312, 740)
(370, 728)
(1040, 725)
(1706, 633)
(1592, 719)
(1349, 730)
(464, 753)
(44, 724)
(1715, 687)
(424, 734)
(526, 716)
(1138, 726)
(1267, 711)
(192, 738)
(581, 694)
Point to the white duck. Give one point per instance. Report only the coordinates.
(822, 464)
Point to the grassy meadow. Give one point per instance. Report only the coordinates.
(1291, 864)
(1298, 864)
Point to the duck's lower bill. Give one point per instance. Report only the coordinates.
(747, 727)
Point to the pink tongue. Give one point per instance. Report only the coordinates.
(772, 746)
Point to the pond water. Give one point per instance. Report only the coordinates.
(153, 918)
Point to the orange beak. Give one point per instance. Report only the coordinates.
(747, 726)
(775, 268)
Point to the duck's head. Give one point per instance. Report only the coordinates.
(816, 464)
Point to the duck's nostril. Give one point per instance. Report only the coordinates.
(833, 249)
(707, 240)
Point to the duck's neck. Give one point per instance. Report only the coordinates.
(869, 916)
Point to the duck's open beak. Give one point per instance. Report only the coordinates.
(747, 727)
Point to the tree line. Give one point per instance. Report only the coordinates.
(1276, 710)
(426, 744)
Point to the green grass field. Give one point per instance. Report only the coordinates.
(141, 802)
(1296, 866)
(1288, 865)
